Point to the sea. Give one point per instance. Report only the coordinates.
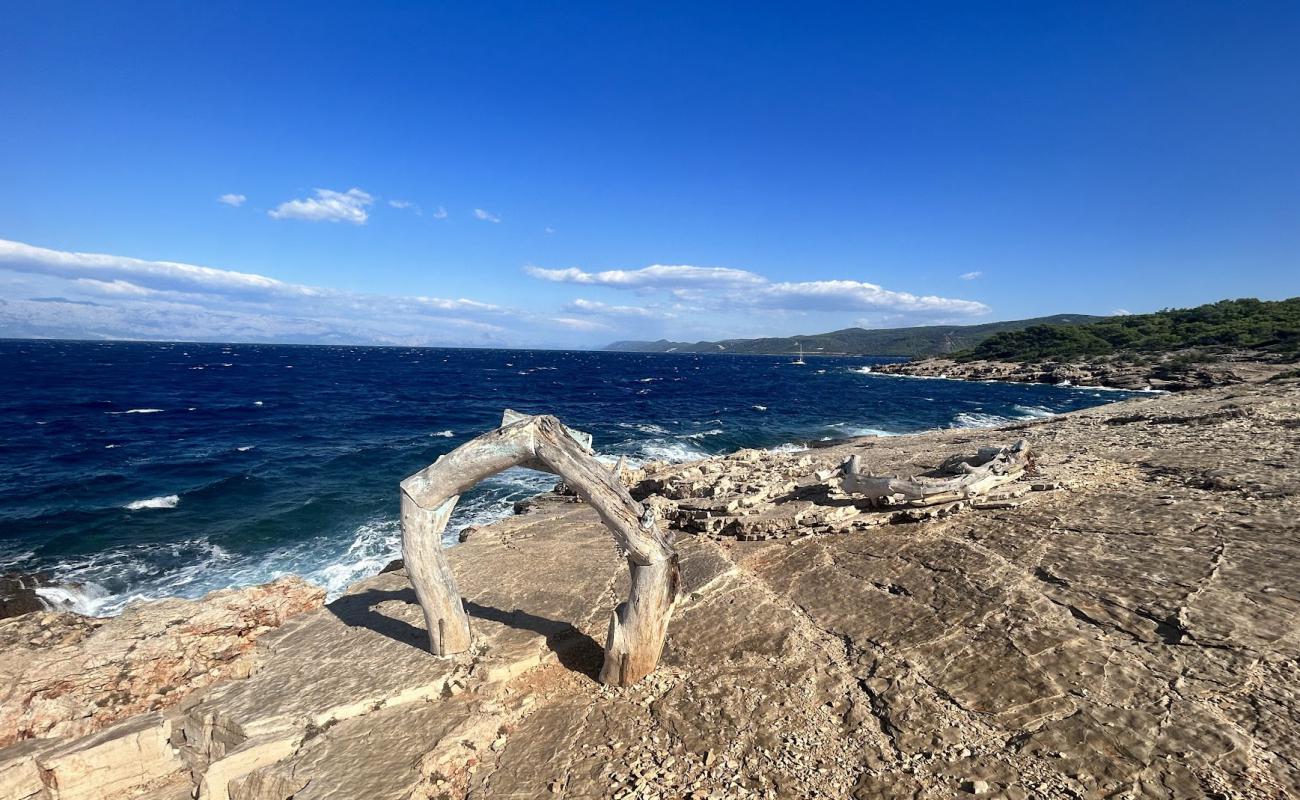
(133, 470)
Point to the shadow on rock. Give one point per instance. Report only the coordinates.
(358, 611)
(576, 650)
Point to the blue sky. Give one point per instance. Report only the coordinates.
(571, 174)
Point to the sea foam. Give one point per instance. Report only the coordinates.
(162, 501)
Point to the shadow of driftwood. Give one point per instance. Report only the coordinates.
(576, 650)
(358, 611)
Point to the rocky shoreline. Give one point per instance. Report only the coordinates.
(1122, 622)
(1174, 372)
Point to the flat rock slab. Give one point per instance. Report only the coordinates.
(326, 678)
(1134, 634)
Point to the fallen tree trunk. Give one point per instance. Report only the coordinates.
(637, 628)
(958, 478)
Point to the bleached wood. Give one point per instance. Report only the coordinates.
(638, 626)
(988, 469)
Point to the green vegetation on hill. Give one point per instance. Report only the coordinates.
(1269, 326)
(927, 340)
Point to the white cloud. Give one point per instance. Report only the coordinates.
(1120, 312)
(719, 287)
(656, 276)
(856, 296)
(328, 206)
(486, 216)
(580, 324)
(970, 276)
(548, 230)
(457, 305)
(235, 200)
(163, 275)
(582, 306)
(136, 298)
(440, 213)
(406, 205)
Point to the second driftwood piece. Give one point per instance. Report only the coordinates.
(637, 628)
(957, 478)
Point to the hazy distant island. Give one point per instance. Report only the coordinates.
(913, 342)
(1171, 349)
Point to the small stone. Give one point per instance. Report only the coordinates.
(976, 787)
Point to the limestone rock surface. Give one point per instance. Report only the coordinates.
(1131, 630)
(63, 674)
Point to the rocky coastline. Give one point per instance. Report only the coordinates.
(1173, 372)
(1121, 622)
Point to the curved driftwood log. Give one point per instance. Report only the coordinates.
(637, 627)
(957, 478)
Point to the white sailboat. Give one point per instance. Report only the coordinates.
(799, 360)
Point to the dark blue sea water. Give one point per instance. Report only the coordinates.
(147, 470)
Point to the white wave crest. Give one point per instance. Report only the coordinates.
(702, 434)
(444, 434)
(862, 430)
(1034, 412)
(87, 599)
(644, 427)
(971, 419)
(136, 411)
(673, 451)
(162, 501)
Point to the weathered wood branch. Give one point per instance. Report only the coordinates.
(957, 478)
(637, 627)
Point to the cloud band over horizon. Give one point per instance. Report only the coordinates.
(95, 295)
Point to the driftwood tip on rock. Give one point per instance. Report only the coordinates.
(637, 627)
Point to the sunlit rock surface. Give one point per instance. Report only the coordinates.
(1129, 628)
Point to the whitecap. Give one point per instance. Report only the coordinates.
(759, 408)
(245, 448)
(137, 411)
(977, 420)
(645, 427)
(111, 446)
(1034, 412)
(257, 402)
(87, 599)
(702, 434)
(445, 434)
(865, 431)
(673, 451)
(788, 447)
(162, 501)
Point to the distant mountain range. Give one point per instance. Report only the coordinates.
(926, 340)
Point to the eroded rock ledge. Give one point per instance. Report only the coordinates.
(1130, 632)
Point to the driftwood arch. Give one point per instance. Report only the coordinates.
(637, 628)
